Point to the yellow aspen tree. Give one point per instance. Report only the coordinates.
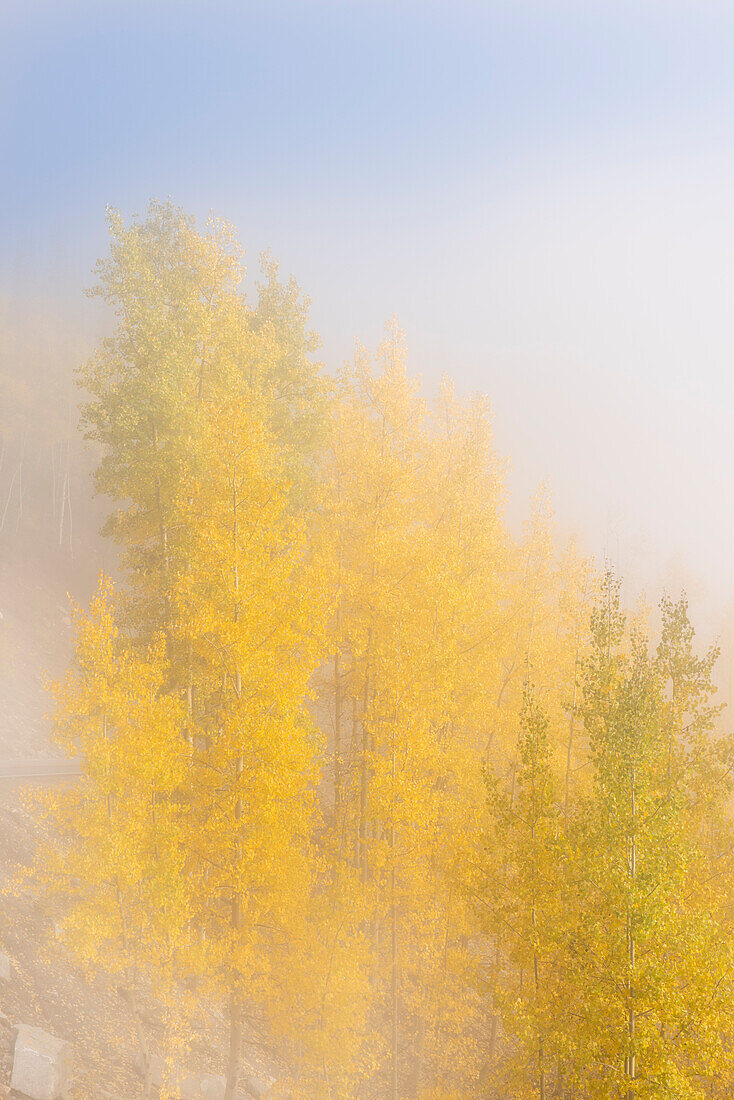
(120, 867)
(421, 550)
(186, 338)
(209, 412)
(376, 443)
(254, 595)
(521, 906)
(650, 991)
(457, 595)
(174, 292)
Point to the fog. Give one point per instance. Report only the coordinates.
(538, 197)
(555, 231)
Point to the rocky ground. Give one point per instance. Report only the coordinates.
(46, 989)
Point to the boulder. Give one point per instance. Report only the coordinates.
(42, 1065)
(196, 1086)
(157, 1068)
(257, 1088)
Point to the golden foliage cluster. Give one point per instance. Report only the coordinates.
(345, 737)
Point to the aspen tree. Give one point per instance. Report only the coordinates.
(121, 869)
(652, 953)
(208, 413)
(421, 549)
(186, 338)
(635, 998)
(256, 602)
(174, 292)
(521, 903)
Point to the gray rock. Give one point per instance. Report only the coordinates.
(196, 1086)
(257, 1088)
(42, 1065)
(8, 1035)
(157, 1068)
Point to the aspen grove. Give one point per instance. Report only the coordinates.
(413, 796)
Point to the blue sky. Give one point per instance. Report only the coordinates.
(543, 194)
(277, 113)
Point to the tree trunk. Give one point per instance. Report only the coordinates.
(235, 1045)
(394, 928)
(143, 1046)
(362, 833)
(394, 975)
(8, 499)
(631, 1059)
(235, 1010)
(20, 486)
(571, 721)
(337, 736)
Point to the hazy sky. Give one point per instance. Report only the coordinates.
(543, 194)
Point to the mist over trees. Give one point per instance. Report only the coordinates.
(411, 793)
(47, 513)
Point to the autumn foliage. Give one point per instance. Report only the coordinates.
(359, 764)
